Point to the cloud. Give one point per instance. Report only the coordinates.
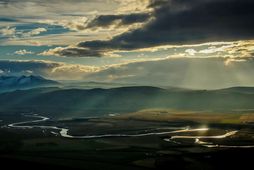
(74, 52)
(243, 48)
(52, 52)
(7, 20)
(130, 6)
(53, 70)
(23, 52)
(65, 20)
(73, 71)
(230, 61)
(74, 24)
(12, 32)
(233, 49)
(33, 32)
(198, 73)
(118, 20)
(8, 31)
(191, 52)
(179, 22)
(38, 9)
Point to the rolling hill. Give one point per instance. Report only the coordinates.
(56, 102)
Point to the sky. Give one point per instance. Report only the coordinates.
(203, 44)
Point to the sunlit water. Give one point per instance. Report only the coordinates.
(173, 130)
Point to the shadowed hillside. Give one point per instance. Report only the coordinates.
(62, 102)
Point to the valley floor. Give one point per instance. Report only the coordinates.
(181, 143)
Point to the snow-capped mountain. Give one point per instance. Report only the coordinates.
(23, 82)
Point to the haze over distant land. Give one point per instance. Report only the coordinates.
(189, 43)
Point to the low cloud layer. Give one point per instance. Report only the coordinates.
(53, 70)
(198, 73)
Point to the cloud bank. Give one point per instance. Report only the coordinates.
(198, 73)
(52, 70)
(177, 22)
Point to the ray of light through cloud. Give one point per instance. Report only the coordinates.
(126, 40)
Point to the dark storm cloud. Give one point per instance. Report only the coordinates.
(80, 52)
(5, 19)
(184, 22)
(124, 19)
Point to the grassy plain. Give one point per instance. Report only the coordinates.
(30, 148)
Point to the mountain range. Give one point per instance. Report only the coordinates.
(58, 102)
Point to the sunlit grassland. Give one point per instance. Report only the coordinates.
(193, 116)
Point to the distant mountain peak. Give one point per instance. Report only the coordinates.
(9, 83)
